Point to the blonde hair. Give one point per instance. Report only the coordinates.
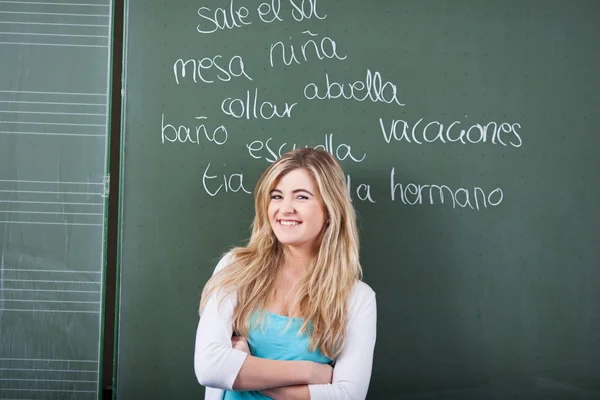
(322, 296)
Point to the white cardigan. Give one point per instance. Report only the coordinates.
(217, 364)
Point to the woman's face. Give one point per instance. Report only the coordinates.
(296, 211)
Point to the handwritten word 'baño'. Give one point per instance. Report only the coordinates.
(372, 89)
(342, 151)
(230, 183)
(253, 108)
(185, 134)
(413, 194)
(326, 48)
(235, 68)
(434, 131)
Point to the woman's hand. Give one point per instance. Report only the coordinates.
(240, 343)
(320, 373)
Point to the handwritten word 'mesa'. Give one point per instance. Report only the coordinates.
(235, 68)
(236, 17)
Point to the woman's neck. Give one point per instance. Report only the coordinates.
(298, 259)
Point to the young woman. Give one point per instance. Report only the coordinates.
(287, 316)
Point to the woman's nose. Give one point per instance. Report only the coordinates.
(287, 207)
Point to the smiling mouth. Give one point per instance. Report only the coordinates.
(287, 222)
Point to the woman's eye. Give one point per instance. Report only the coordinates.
(302, 197)
(275, 197)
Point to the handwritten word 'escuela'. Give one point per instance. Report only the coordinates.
(259, 150)
(236, 17)
(401, 130)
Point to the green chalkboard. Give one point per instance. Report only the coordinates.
(54, 98)
(468, 134)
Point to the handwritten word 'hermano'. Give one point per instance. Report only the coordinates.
(412, 194)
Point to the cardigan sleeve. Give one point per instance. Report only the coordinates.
(352, 370)
(216, 363)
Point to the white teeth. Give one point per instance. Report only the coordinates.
(289, 223)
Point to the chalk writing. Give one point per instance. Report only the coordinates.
(363, 191)
(185, 134)
(266, 9)
(305, 9)
(326, 48)
(434, 131)
(235, 68)
(222, 18)
(310, 46)
(253, 108)
(230, 183)
(412, 194)
(259, 149)
(372, 89)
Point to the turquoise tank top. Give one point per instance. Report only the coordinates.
(273, 341)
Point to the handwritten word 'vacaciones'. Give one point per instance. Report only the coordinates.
(185, 134)
(434, 131)
(236, 17)
(413, 194)
(253, 108)
(235, 68)
(259, 149)
(372, 89)
(327, 48)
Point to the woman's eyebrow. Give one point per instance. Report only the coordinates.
(302, 190)
(293, 191)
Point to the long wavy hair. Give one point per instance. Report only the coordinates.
(321, 297)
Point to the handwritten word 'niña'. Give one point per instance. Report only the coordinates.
(236, 17)
(184, 134)
(232, 183)
(399, 130)
(252, 107)
(326, 48)
(235, 68)
(342, 151)
(372, 89)
(413, 194)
